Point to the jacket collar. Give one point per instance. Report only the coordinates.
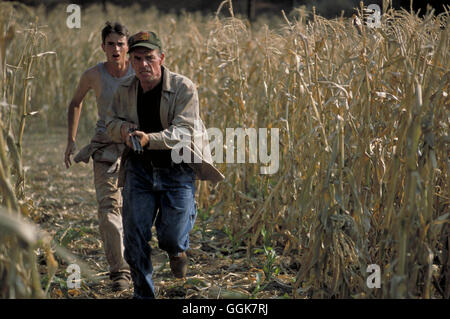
(167, 84)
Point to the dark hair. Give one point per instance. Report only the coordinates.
(114, 27)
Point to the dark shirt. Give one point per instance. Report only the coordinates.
(148, 105)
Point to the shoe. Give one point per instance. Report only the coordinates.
(120, 281)
(178, 265)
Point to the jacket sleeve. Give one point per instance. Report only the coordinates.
(113, 120)
(186, 121)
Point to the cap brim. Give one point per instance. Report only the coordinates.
(143, 45)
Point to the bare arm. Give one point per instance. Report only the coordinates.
(74, 112)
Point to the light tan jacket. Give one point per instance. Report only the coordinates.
(179, 109)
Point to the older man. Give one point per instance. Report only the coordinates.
(103, 79)
(161, 106)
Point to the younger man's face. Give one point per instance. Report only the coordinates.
(115, 47)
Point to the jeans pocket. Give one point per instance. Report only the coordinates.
(186, 169)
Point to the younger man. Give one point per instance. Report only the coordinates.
(104, 79)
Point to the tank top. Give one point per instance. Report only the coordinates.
(109, 85)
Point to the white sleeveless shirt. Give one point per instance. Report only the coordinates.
(108, 86)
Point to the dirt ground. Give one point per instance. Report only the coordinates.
(63, 203)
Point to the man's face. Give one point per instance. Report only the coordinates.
(115, 48)
(147, 64)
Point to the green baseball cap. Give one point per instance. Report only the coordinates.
(144, 39)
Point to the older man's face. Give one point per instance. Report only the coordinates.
(147, 64)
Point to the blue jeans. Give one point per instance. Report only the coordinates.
(172, 192)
